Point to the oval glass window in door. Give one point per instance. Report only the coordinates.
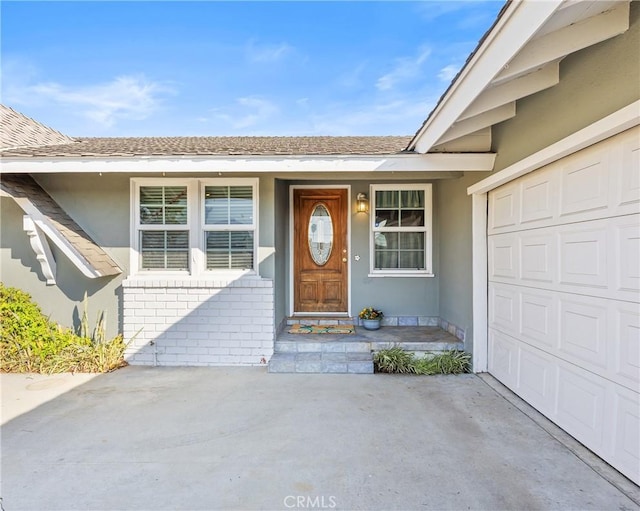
(320, 234)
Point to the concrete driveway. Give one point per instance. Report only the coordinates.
(239, 438)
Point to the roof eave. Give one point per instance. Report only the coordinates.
(276, 164)
(517, 23)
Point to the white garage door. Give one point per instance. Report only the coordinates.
(564, 288)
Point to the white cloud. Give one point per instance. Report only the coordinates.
(405, 69)
(266, 53)
(448, 73)
(125, 97)
(249, 112)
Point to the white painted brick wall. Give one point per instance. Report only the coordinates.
(187, 322)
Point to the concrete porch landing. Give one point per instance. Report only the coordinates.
(353, 353)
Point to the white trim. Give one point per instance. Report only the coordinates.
(467, 162)
(292, 311)
(195, 226)
(617, 122)
(427, 228)
(607, 127)
(480, 280)
(515, 27)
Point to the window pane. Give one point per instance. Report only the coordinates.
(229, 250)
(241, 205)
(386, 259)
(386, 217)
(175, 195)
(412, 240)
(150, 214)
(216, 205)
(412, 218)
(163, 205)
(412, 199)
(387, 199)
(164, 250)
(386, 239)
(412, 260)
(226, 205)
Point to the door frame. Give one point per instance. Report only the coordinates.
(323, 186)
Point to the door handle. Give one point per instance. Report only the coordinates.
(344, 259)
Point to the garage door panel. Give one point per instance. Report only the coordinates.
(594, 258)
(538, 254)
(580, 404)
(564, 293)
(628, 246)
(583, 255)
(503, 257)
(629, 183)
(626, 441)
(537, 378)
(504, 207)
(504, 309)
(628, 353)
(539, 322)
(578, 188)
(503, 357)
(539, 196)
(583, 332)
(584, 183)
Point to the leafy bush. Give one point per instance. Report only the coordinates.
(30, 342)
(397, 360)
(394, 360)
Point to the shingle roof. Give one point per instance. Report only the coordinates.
(18, 130)
(23, 186)
(216, 146)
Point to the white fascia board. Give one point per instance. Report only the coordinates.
(617, 122)
(280, 165)
(517, 25)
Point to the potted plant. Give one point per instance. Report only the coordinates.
(371, 318)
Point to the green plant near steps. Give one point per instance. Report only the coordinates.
(30, 342)
(396, 360)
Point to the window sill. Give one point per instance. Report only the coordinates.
(400, 274)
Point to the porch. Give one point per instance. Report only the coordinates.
(353, 353)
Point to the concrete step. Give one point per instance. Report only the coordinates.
(322, 362)
(316, 345)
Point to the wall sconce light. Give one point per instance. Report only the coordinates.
(362, 203)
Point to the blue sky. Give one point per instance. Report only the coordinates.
(235, 68)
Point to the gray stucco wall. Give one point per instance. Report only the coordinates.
(397, 296)
(281, 219)
(453, 210)
(62, 302)
(594, 83)
(100, 205)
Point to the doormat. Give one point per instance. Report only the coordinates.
(322, 329)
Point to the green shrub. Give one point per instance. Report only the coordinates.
(30, 342)
(396, 360)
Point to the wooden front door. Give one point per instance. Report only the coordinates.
(320, 250)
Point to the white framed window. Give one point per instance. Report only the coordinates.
(194, 226)
(401, 230)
